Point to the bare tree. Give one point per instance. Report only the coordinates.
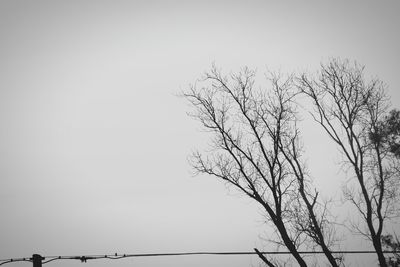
(255, 147)
(351, 111)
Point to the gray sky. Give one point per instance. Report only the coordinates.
(93, 140)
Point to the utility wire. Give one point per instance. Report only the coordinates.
(116, 256)
(14, 260)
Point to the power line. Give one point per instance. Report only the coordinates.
(116, 256)
(14, 260)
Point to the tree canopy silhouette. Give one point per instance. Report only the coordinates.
(256, 147)
(355, 115)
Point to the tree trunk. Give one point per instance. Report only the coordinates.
(378, 248)
(289, 244)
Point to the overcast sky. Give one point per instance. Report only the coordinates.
(93, 140)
